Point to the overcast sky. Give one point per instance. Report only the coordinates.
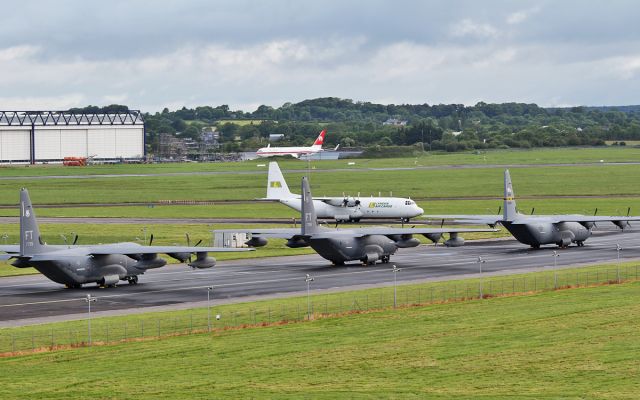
(155, 54)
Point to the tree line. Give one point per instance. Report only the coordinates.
(449, 127)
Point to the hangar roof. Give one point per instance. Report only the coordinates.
(51, 118)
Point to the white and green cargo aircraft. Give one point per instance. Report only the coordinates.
(345, 208)
(104, 264)
(537, 230)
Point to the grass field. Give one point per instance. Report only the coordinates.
(419, 184)
(512, 157)
(579, 343)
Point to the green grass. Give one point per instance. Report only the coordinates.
(512, 157)
(419, 184)
(579, 343)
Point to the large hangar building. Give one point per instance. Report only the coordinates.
(50, 136)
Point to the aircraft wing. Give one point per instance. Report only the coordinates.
(280, 233)
(468, 218)
(134, 248)
(386, 231)
(556, 219)
(10, 248)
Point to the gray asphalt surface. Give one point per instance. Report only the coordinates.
(32, 299)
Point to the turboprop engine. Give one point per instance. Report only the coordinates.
(405, 241)
(256, 241)
(149, 261)
(203, 261)
(454, 240)
(296, 243)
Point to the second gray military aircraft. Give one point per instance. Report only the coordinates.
(537, 230)
(368, 245)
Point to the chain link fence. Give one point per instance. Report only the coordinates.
(197, 321)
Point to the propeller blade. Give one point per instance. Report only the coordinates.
(442, 223)
(188, 239)
(75, 239)
(499, 210)
(199, 241)
(628, 211)
(595, 212)
(150, 239)
(532, 210)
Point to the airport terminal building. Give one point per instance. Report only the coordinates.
(51, 136)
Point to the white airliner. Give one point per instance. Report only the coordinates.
(342, 209)
(292, 151)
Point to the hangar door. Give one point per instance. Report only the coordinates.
(89, 141)
(15, 145)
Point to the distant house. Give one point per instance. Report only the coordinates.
(395, 122)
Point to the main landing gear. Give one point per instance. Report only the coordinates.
(133, 280)
(385, 259)
(73, 285)
(580, 243)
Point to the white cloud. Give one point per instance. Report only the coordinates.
(469, 28)
(18, 53)
(61, 102)
(521, 16)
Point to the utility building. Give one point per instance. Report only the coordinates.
(50, 136)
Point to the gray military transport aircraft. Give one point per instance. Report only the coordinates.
(106, 265)
(368, 245)
(537, 230)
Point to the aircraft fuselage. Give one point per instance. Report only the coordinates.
(536, 234)
(106, 270)
(370, 207)
(367, 249)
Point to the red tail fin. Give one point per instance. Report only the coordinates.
(320, 138)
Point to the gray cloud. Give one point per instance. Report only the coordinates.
(245, 53)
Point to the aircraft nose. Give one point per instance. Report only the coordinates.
(419, 210)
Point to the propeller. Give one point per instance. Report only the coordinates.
(75, 240)
(628, 211)
(595, 212)
(499, 210)
(189, 244)
(150, 239)
(533, 210)
(442, 223)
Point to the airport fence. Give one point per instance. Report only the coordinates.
(112, 330)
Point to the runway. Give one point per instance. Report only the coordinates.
(31, 299)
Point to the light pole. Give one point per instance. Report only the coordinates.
(618, 248)
(480, 261)
(308, 279)
(209, 290)
(395, 272)
(555, 271)
(90, 299)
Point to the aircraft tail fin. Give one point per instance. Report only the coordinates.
(509, 205)
(318, 143)
(30, 241)
(277, 187)
(309, 219)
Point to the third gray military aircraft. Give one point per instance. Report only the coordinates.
(537, 230)
(368, 245)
